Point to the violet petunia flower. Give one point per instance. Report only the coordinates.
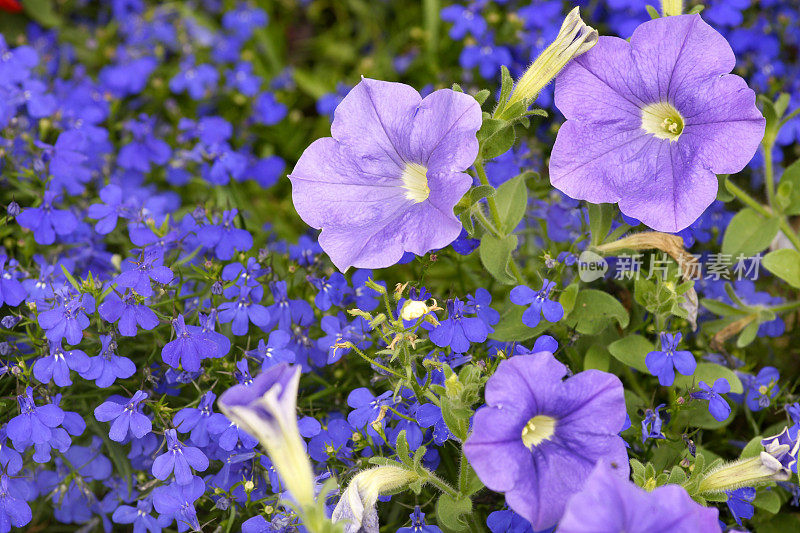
(539, 436)
(610, 503)
(651, 121)
(387, 180)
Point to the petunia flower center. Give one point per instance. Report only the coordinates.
(537, 430)
(662, 121)
(415, 182)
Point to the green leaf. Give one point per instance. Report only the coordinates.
(512, 202)
(753, 448)
(722, 309)
(495, 255)
(748, 233)
(600, 218)
(449, 511)
(785, 264)
(496, 137)
(481, 96)
(789, 189)
(748, 334)
(594, 310)
(631, 351)
(597, 357)
(456, 418)
(568, 297)
(42, 12)
(468, 481)
(723, 194)
(506, 86)
(70, 278)
(709, 373)
(768, 500)
(677, 475)
(473, 196)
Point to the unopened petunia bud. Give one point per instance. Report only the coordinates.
(574, 39)
(413, 309)
(772, 464)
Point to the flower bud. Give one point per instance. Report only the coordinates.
(13, 209)
(670, 8)
(413, 309)
(574, 39)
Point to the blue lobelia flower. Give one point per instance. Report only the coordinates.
(286, 312)
(34, 424)
(45, 221)
(207, 323)
(430, 415)
(331, 441)
(14, 510)
(67, 319)
(665, 362)
(717, 405)
(458, 331)
(139, 516)
(107, 366)
(244, 309)
(137, 274)
(178, 459)
(108, 212)
(12, 292)
(176, 501)
(196, 80)
(366, 406)
(195, 419)
(651, 424)
(145, 148)
(418, 524)
(58, 363)
(224, 237)
(609, 503)
(508, 522)
(466, 20)
(130, 311)
(761, 388)
(740, 503)
(126, 416)
(539, 436)
(10, 459)
(274, 351)
(189, 348)
(540, 304)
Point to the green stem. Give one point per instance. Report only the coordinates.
(498, 223)
(769, 174)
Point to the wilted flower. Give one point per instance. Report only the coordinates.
(539, 436)
(651, 122)
(356, 507)
(387, 180)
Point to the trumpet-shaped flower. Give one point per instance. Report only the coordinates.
(267, 409)
(651, 121)
(387, 180)
(539, 436)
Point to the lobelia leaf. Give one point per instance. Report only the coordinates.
(784, 263)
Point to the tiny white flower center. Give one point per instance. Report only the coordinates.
(662, 121)
(537, 430)
(415, 182)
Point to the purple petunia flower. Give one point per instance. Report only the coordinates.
(189, 347)
(539, 436)
(610, 503)
(717, 405)
(137, 274)
(540, 304)
(652, 121)
(665, 362)
(178, 459)
(387, 180)
(127, 417)
(58, 363)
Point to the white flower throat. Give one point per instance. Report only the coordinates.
(538, 429)
(662, 121)
(415, 182)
